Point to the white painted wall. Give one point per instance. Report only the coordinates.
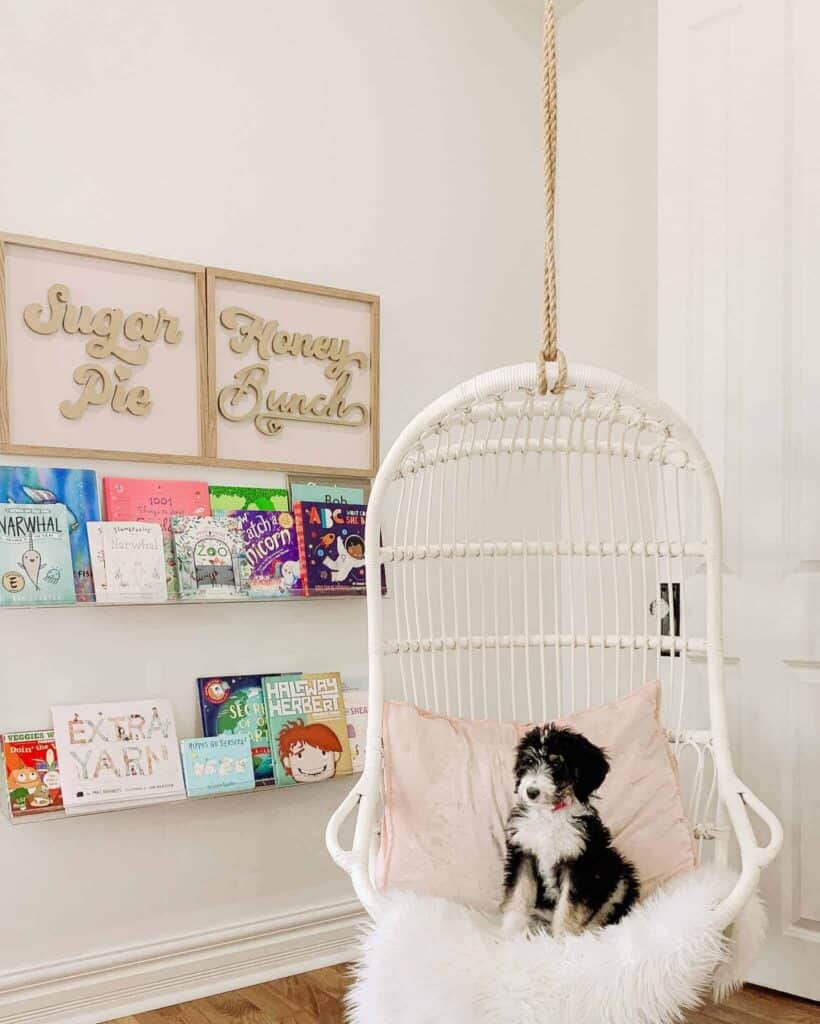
(607, 176)
(389, 148)
(392, 150)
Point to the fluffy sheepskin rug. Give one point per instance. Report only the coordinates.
(429, 961)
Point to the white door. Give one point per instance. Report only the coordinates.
(739, 356)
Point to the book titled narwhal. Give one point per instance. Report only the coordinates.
(35, 555)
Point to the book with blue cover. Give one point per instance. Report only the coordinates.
(235, 706)
(35, 555)
(217, 764)
(74, 488)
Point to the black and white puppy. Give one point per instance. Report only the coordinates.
(562, 872)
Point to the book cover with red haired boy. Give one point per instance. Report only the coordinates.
(308, 728)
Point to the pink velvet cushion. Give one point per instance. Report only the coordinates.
(449, 788)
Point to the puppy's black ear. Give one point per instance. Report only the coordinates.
(590, 766)
(525, 752)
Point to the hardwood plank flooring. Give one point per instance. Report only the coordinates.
(315, 998)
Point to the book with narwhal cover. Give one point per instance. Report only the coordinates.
(74, 488)
(35, 555)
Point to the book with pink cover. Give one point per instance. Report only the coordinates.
(155, 501)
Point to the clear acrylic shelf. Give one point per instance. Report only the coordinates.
(60, 814)
(183, 602)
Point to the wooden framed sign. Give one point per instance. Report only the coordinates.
(102, 354)
(294, 372)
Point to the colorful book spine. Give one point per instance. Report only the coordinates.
(331, 547)
(272, 553)
(217, 764)
(35, 555)
(308, 728)
(76, 489)
(235, 706)
(32, 772)
(156, 501)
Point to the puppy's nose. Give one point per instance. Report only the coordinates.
(533, 792)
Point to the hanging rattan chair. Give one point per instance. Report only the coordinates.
(551, 537)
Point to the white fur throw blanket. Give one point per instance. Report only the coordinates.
(429, 961)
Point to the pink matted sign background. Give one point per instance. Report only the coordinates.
(300, 444)
(41, 367)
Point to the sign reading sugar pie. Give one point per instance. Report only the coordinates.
(101, 353)
(290, 364)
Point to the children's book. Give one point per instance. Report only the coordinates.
(217, 764)
(35, 555)
(156, 501)
(32, 773)
(272, 553)
(74, 488)
(335, 494)
(356, 714)
(210, 557)
(235, 706)
(331, 547)
(128, 562)
(122, 753)
(234, 498)
(308, 728)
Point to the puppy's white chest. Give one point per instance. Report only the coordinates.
(548, 835)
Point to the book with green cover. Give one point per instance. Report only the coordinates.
(235, 498)
(307, 727)
(35, 555)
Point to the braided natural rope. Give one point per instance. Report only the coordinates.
(549, 351)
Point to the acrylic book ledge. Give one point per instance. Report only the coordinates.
(59, 814)
(182, 602)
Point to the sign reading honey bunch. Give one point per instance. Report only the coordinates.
(294, 372)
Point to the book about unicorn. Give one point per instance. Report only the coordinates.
(272, 554)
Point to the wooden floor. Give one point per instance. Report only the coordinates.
(315, 998)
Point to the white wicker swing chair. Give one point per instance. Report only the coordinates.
(525, 539)
(551, 538)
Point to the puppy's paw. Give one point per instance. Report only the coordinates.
(514, 923)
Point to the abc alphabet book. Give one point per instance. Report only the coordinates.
(74, 488)
(31, 771)
(35, 555)
(331, 547)
(308, 728)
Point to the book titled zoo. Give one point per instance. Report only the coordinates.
(121, 753)
(210, 557)
(308, 728)
(217, 764)
(32, 773)
(35, 555)
(331, 547)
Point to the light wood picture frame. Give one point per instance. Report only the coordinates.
(293, 376)
(103, 354)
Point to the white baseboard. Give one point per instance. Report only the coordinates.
(88, 990)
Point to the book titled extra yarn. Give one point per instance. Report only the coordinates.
(35, 555)
(117, 754)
